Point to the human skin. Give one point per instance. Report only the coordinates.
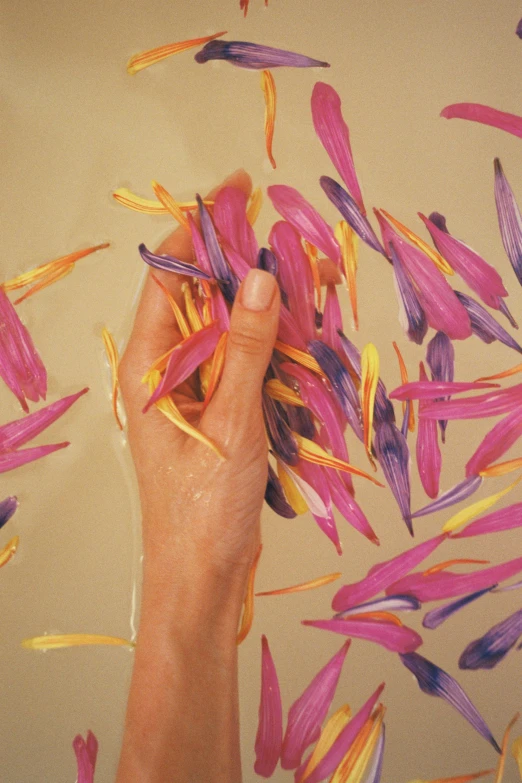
(201, 533)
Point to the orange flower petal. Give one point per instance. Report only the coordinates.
(312, 452)
(191, 310)
(181, 321)
(349, 243)
(52, 277)
(459, 778)
(43, 270)
(311, 252)
(248, 604)
(404, 379)
(501, 468)
(269, 91)
(216, 369)
(432, 254)
(170, 204)
(254, 205)
(329, 734)
(292, 493)
(9, 551)
(299, 356)
(505, 374)
(449, 563)
(385, 617)
(502, 760)
(311, 585)
(283, 393)
(140, 61)
(113, 359)
(369, 381)
(352, 767)
(128, 199)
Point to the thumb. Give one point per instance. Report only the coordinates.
(253, 329)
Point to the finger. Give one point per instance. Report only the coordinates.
(253, 329)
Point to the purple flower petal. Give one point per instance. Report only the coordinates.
(275, 496)
(200, 250)
(454, 495)
(382, 575)
(490, 649)
(86, 753)
(486, 115)
(445, 584)
(393, 454)
(440, 356)
(269, 737)
(375, 769)
(268, 261)
(308, 712)
(498, 440)
(436, 682)
(334, 135)
(278, 430)
(397, 638)
(294, 208)
(491, 404)
(17, 433)
(429, 458)
(484, 326)
(391, 603)
(227, 281)
(231, 222)
(349, 210)
(509, 220)
(430, 390)
(15, 459)
(504, 519)
(519, 29)
(171, 264)
(7, 509)
(295, 276)
(255, 56)
(436, 617)
(412, 317)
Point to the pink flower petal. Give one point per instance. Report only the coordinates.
(445, 584)
(334, 135)
(498, 440)
(231, 222)
(308, 712)
(305, 218)
(15, 459)
(397, 638)
(86, 753)
(486, 115)
(503, 519)
(382, 575)
(16, 433)
(429, 458)
(289, 331)
(349, 508)
(492, 404)
(430, 390)
(509, 220)
(200, 249)
(269, 738)
(315, 476)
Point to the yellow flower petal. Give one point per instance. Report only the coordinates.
(269, 91)
(300, 357)
(248, 604)
(9, 551)
(349, 244)
(449, 563)
(191, 310)
(216, 368)
(254, 205)
(292, 493)
(369, 380)
(57, 641)
(52, 277)
(140, 61)
(312, 452)
(502, 760)
(112, 356)
(404, 379)
(432, 254)
(352, 767)
(181, 321)
(501, 468)
(43, 270)
(148, 206)
(283, 393)
(170, 204)
(476, 508)
(505, 374)
(516, 752)
(458, 779)
(311, 585)
(311, 252)
(329, 734)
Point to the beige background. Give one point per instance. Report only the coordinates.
(75, 126)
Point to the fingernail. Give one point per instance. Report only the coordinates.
(257, 290)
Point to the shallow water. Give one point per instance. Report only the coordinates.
(76, 126)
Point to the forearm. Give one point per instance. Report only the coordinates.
(182, 722)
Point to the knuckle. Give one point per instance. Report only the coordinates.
(246, 341)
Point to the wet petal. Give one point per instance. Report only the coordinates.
(491, 404)
(281, 437)
(334, 135)
(247, 618)
(304, 217)
(436, 617)
(312, 452)
(375, 770)
(499, 776)
(352, 767)
(15, 459)
(504, 374)
(111, 351)
(444, 584)
(7, 509)
(458, 779)
(486, 115)
(430, 390)
(332, 319)
(333, 757)
(397, 638)
(316, 476)
(171, 264)
(255, 56)
(479, 275)
(467, 514)
(454, 495)
(8, 551)
(369, 380)
(383, 411)
(429, 458)
(254, 205)
(428, 251)
(230, 218)
(308, 712)
(412, 317)
(509, 220)
(269, 735)
(181, 321)
(407, 410)
(342, 384)
(516, 748)
(312, 499)
(440, 356)
(269, 92)
(52, 277)
(436, 682)
(226, 279)
(484, 326)
(350, 211)
(381, 575)
(394, 458)
(490, 649)
(275, 496)
(503, 519)
(311, 585)
(86, 753)
(349, 244)
(349, 508)
(170, 204)
(42, 271)
(58, 641)
(498, 440)
(267, 260)
(299, 356)
(151, 56)
(329, 734)
(295, 276)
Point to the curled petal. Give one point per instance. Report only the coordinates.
(430, 390)
(391, 603)
(255, 56)
(436, 617)
(484, 326)
(334, 135)
(491, 404)
(490, 649)
(516, 748)
(429, 458)
(411, 314)
(275, 496)
(181, 321)
(499, 774)
(382, 575)
(151, 56)
(305, 218)
(436, 682)
(269, 92)
(171, 264)
(311, 585)
(454, 495)
(394, 458)
(350, 211)
(504, 519)
(270, 728)
(498, 440)
(7, 509)
(397, 638)
(254, 205)
(307, 714)
(86, 754)
(130, 200)
(226, 279)
(15, 459)
(58, 641)
(486, 115)
(509, 220)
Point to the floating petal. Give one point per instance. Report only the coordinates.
(7, 509)
(412, 317)
(486, 115)
(299, 356)
(230, 218)
(148, 206)
(270, 728)
(280, 435)
(397, 638)
(15, 459)
(382, 575)
(295, 276)
(490, 649)
(440, 356)
(498, 440)
(57, 641)
(348, 242)
(86, 754)
(308, 712)
(375, 771)
(454, 495)
(247, 618)
(391, 603)
(458, 779)
(269, 92)
(394, 458)
(430, 390)
(504, 519)
(41, 272)
(436, 617)
(112, 356)
(352, 767)
(170, 204)
(311, 585)
(407, 410)
(312, 499)
(17, 433)
(334, 135)
(151, 56)
(349, 508)
(436, 682)
(226, 279)
(504, 374)
(312, 452)
(516, 748)
(52, 277)
(350, 211)
(255, 56)
(329, 734)
(509, 220)
(275, 496)
(181, 321)
(342, 384)
(428, 251)
(369, 380)
(429, 458)
(484, 326)
(9, 551)
(499, 776)
(491, 404)
(384, 411)
(467, 514)
(171, 264)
